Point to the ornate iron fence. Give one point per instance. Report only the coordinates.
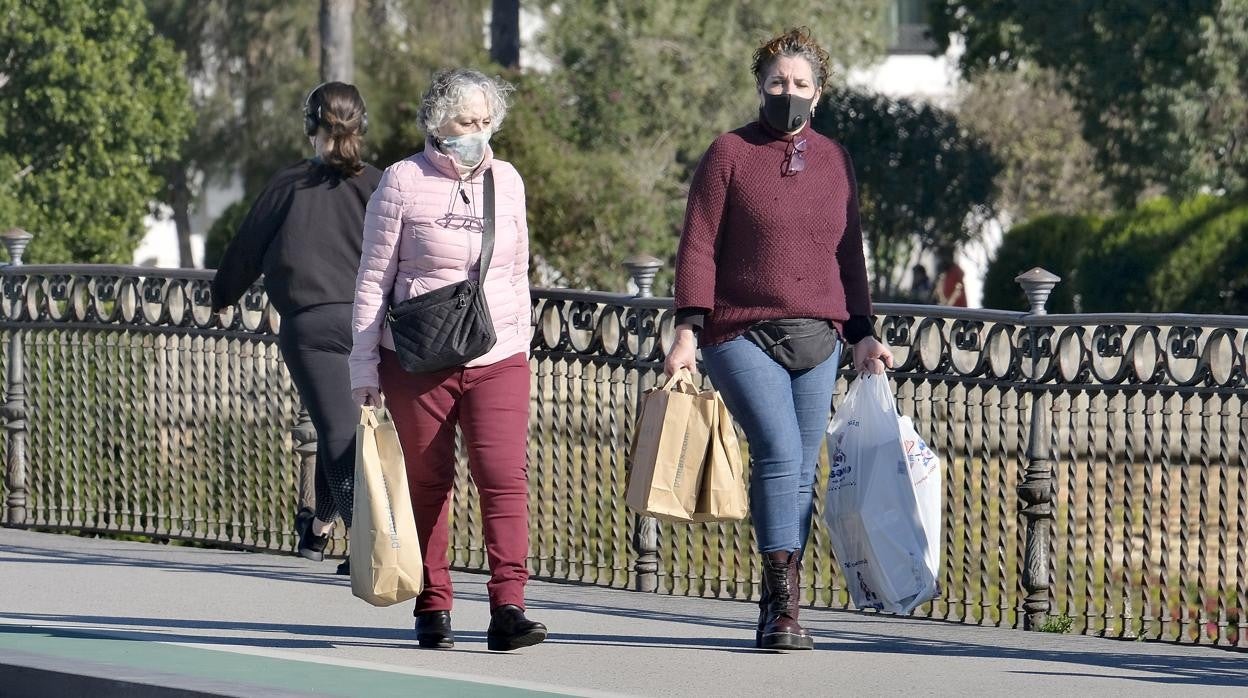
(1095, 465)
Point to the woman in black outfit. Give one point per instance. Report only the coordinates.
(304, 234)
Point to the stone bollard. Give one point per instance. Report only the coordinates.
(642, 269)
(14, 410)
(1035, 493)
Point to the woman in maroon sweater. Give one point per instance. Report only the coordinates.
(770, 276)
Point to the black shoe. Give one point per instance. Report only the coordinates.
(344, 567)
(510, 630)
(433, 629)
(302, 519)
(310, 546)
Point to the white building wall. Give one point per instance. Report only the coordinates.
(932, 79)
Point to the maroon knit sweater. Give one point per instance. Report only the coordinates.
(762, 245)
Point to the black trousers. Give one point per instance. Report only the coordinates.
(315, 343)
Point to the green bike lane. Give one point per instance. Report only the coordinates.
(128, 665)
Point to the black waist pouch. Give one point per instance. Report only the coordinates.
(796, 344)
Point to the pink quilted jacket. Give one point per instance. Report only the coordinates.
(422, 232)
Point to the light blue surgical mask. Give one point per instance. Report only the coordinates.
(467, 150)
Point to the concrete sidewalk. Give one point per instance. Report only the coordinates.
(206, 622)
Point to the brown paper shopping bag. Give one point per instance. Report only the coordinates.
(385, 550)
(722, 496)
(670, 445)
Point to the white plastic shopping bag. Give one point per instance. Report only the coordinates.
(928, 489)
(873, 516)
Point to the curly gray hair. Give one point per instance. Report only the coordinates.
(446, 97)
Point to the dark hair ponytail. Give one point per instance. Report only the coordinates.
(337, 109)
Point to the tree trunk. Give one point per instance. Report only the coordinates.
(180, 202)
(337, 50)
(505, 33)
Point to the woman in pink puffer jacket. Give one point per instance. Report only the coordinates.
(422, 231)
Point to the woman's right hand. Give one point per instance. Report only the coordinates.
(684, 352)
(367, 397)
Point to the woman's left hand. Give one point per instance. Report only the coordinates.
(870, 356)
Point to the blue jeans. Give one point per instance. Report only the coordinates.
(784, 415)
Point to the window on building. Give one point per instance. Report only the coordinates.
(908, 28)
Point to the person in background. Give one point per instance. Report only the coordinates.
(950, 288)
(771, 256)
(304, 233)
(920, 285)
(423, 231)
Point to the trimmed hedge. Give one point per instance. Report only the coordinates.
(1052, 242)
(1163, 256)
(1170, 257)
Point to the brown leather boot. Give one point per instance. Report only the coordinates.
(795, 599)
(779, 627)
(764, 600)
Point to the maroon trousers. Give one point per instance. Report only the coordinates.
(491, 406)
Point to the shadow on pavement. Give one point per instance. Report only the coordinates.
(259, 571)
(836, 631)
(1190, 669)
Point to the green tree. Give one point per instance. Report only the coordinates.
(606, 140)
(1032, 127)
(924, 183)
(250, 65)
(1160, 85)
(588, 208)
(675, 73)
(92, 103)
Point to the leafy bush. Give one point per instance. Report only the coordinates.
(1051, 242)
(1170, 257)
(590, 206)
(1163, 256)
(1115, 269)
(223, 230)
(1057, 624)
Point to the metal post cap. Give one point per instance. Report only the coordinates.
(643, 261)
(15, 241)
(642, 268)
(1037, 283)
(1037, 275)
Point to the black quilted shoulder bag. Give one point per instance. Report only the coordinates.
(450, 326)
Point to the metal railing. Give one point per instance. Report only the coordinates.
(1095, 465)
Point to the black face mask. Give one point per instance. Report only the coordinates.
(786, 112)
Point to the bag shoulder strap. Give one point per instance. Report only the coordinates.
(487, 232)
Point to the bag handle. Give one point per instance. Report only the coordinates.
(487, 231)
(880, 383)
(373, 416)
(682, 375)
